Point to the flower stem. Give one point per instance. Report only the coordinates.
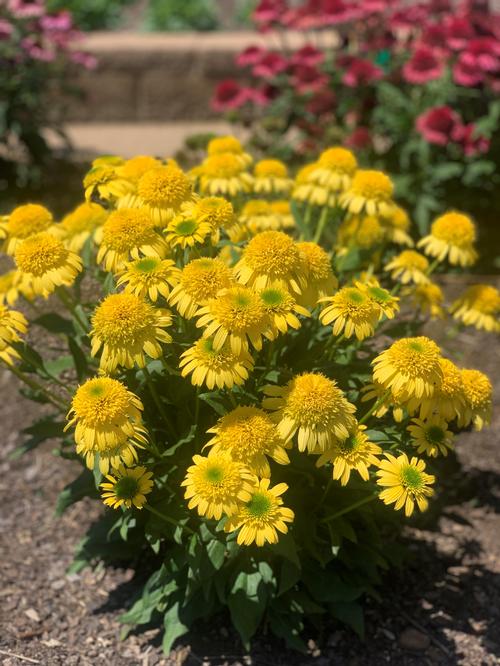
(167, 518)
(37, 387)
(378, 403)
(157, 401)
(351, 507)
(66, 300)
(321, 224)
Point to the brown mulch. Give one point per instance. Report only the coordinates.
(440, 608)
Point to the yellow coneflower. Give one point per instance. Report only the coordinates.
(236, 314)
(397, 224)
(405, 483)
(103, 183)
(215, 367)
(409, 266)
(127, 234)
(385, 400)
(271, 256)
(150, 277)
(428, 298)
(108, 423)
(453, 236)
(261, 517)
(388, 304)
(249, 436)
(282, 308)
(127, 487)
(223, 174)
(128, 329)
(365, 232)
(409, 367)
(200, 280)
(11, 324)
(350, 312)
(271, 177)
(369, 192)
(79, 225)
(313, 408)
(44, 263)
(221, 145)
(162, 191)
(431, 436)
(334, 169)
(132, 170)
(10, 289)
(282, 210)
(477, 392)
(316, 268)
(478, 306)
(26, 221)
(448, 400)
(185, 230)
(215, 211)
(356, 452)
(215, 485)
(256, 215)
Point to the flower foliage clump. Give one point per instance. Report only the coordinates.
(406, 84)
(244, 375)
(37, 51)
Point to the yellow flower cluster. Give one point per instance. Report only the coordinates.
(218, 274)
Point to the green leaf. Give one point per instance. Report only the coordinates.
(213, 399)
(174, 627)
(289, 575)
(288, 627)
(54, 323)
(79, 358)
(247, 603)
(446, 171)
(82, 486)
(40, 431)
(216, 551)
(58, 365)
(351, 613)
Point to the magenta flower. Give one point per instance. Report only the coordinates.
(359, 138)
(57, 22)
(459, 30)
(467, 73)
(308, 79)
(308, 56)
(438, 124)
(482, 53)
(423, 66)
(434, 36)
(250, 56)
(229, 95)
(471, 143)
(268, 12)
(270, 65)
(86, 60)
(6, 29)
(408, 17)
(21, 9)
(361, 73)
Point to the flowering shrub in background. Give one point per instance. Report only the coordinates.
(237, 360)
(37, 55)
(413, 87)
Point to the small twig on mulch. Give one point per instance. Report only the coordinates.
(20, 656)
(421, 628)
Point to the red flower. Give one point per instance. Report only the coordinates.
(483, 53)
(434, 36)
(321, 102)
(466, 73)
(250, 56)
(409, 17)
(229, 95)
(268, 12)
(358, 139)
(437, 125)
(308, 55)
(263, 95)
(270, 65)
(471, 144)
(361, 72)
(423, 66)
(459, 30)
(308, 79)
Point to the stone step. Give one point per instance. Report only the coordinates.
(129, 139)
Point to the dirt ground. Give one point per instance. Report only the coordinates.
(440, 608)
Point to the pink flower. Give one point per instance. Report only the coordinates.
(368, 7)
(57, 22)
(270, 65)
(6, 29)
(434, 36)
(86, 60)
(359, 138)
(250, 56)
(482, 53)
(308, 55)
(264, 95)
(471, 144)
(229, 95)
(361, 72)
(466, 72)
(423, 66)
(437, 125)
(21, 9)
(458, 30)
(439, 6)
(408, 17)
(308, 79)
(268, 12)
(321, 102)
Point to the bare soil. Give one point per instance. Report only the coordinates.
(440, 608)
